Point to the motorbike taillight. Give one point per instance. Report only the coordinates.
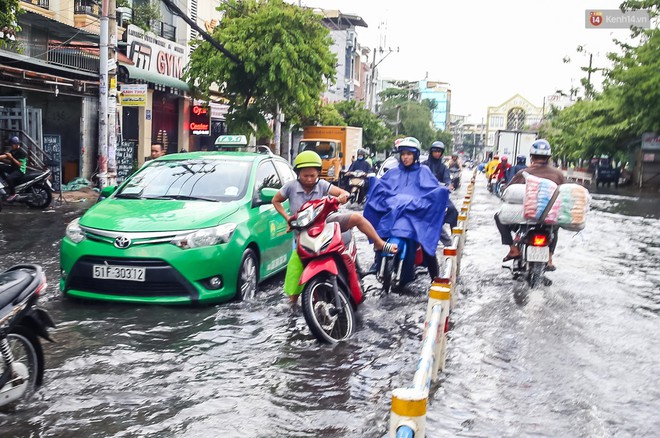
(539, 240)
(41, 288)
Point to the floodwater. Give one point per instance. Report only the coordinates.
(578, 358)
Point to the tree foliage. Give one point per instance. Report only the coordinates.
(629, 105)
(375, 134)
(414, 119)
(285, 58)
(9, 12)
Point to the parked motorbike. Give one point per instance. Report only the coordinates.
(357, 182)
(332, 289)
(22, 323)
(34, 189)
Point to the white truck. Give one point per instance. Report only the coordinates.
(514, 143)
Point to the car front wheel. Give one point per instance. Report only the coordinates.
(248, 275)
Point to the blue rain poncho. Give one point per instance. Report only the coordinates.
(408, 202)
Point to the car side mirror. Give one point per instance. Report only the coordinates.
(107, 191)
(267, 194)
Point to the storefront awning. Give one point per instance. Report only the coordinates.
(148, 76)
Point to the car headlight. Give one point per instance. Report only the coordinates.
(74, 232)
(205, 236)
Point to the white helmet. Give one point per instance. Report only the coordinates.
(541, 147)
(409, 144)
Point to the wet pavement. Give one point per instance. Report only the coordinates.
(578, 358)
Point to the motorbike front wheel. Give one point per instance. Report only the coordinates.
(327, 323)
(27, 351)
(39, 196)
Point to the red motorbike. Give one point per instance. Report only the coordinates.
(332, 289)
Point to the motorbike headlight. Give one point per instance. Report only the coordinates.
(205, 236)
(331, 171)
(74, 232)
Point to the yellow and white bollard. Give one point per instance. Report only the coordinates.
(458, 232)
(440, 293)
(408, 409)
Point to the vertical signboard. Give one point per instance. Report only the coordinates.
(125, 160)
(52, 145)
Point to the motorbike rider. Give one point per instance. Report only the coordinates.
(436, 165)
(502, 167)
(307, 187)
(14, 165)
(521, 163)
(491, 166)
(361, 164)
(406, 202)
(454, 166)
(443, 175)
(540, 166)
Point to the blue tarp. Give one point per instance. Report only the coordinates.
(408, 203)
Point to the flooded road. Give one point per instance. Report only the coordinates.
(578, 359)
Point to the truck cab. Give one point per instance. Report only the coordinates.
(330, 151)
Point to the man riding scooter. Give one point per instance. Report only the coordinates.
(13, 165)
(443, 175)
(540, 154)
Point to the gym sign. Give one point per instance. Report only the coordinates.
(200, 120)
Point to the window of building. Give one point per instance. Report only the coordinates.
(515, 119)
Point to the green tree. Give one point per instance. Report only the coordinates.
(375, 134)
(414, 119)
(629, 104)
(285, 59)
(9, 12)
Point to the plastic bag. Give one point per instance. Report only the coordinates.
(514, 194)
(574, 207)
(511, 214)
(538, 192)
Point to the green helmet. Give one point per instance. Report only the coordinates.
(307, 159)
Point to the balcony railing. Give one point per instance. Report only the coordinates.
(45, 4)
(164, 30)
(87, 7)
(73, 57)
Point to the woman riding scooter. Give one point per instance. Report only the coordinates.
(408, 203)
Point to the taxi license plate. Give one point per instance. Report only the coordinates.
(112, 272)
(538, 253)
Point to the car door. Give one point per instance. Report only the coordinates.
(267, 226)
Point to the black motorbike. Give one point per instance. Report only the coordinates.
(455, 175)
(33, 188)
(533, 242)
(357, 185)
(22, 323)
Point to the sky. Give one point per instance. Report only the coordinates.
(486, 50)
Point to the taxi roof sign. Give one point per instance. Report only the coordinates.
(231, 140)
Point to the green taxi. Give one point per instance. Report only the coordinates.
(186, 228)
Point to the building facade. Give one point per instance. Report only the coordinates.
(440, 94)
(517, 113)
(350, 78)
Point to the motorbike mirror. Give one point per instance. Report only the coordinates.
(267, 194)
(107, 191)
(341, 155)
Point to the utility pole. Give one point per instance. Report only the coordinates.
(107, 164)
(278, 130)
(103, 97)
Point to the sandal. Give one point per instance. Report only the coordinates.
(511, 257)
(550, 268)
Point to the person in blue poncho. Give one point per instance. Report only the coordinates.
(407, 202)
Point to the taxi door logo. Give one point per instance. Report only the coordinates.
(596, 18)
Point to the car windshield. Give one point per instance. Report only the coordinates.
(191, 179)
(326, 149)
